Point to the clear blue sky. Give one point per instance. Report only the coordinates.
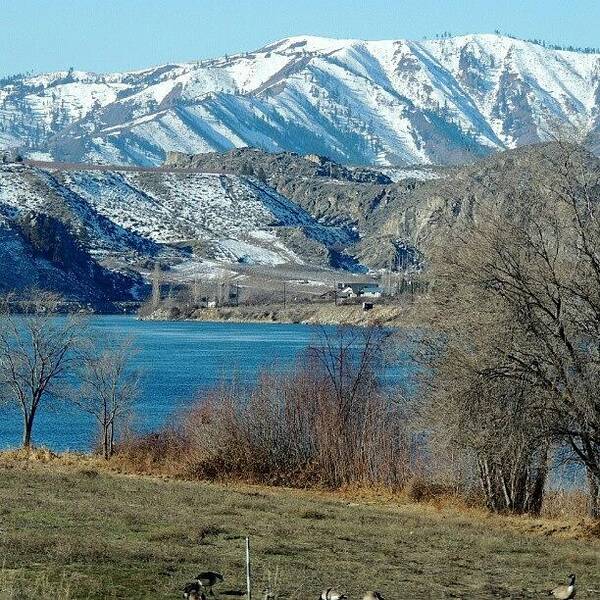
(114, 35)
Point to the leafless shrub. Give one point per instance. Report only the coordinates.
(420, 489)
(326, 423)
(564, 504)
(160, 452)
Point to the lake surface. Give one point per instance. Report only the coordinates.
(178, 361)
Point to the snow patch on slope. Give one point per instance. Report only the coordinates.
(131, 215)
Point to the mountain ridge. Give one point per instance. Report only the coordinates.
(258, 219)
(444, 101)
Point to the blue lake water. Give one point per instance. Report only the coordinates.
(178, 360)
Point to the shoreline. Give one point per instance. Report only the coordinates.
(389, 315)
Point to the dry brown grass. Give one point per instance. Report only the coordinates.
(565, 504)
(16, 585)
(69, 519)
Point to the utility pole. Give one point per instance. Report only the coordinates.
(156, 285)
(196, 292)
(248, 571)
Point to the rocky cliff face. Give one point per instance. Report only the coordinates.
(395, 221)
(94, 233)
(107, 228)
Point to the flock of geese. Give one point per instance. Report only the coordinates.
(207, 579)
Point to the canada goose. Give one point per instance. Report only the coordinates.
(564, 592)
(269, 594)
(209, 578)
(371, 595)
(192, 591)
(331, 594)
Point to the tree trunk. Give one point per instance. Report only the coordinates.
(594, 496)
(105, 440)
(28, 430)
(111, 440)
(513, 487)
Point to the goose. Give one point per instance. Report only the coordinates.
(269, 594)
(192, 591)
(209, 578)
(564, 592)
(371, 595)
(331, 594)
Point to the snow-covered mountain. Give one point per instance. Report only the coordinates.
(193, 222)
(364, 102)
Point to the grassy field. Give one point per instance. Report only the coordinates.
(75, 531)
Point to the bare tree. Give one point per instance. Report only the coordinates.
(517, 295)
(38, 349)
(497, 425)
(349, 359)
(108, 389)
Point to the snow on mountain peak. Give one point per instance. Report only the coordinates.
(372, 102)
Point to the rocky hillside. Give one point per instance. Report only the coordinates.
(97, 232)
(445, 101)
(364, 201)
(395, 221)
(38, 251)
(58, 222)
(411, 215)
(329, 191)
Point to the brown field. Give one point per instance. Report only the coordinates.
(70, 528)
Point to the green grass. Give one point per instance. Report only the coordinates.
(101, 535)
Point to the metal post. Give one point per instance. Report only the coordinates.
(248, 572)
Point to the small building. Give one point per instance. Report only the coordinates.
(347, 292)
(359, 289)
(10, 156)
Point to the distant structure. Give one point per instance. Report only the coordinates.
(156, 281)
(358, 290)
